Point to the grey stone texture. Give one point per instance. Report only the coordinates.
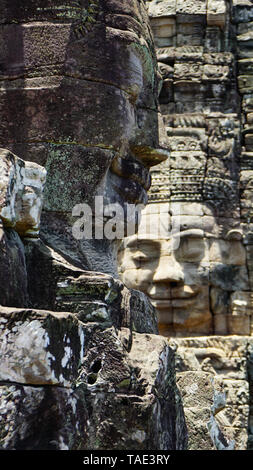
(81, 363)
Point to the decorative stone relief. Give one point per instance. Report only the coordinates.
(209, 167)
(193, 252)
(79, 101)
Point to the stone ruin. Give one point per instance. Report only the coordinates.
(197, 269)
(94, 96)
(82, 364)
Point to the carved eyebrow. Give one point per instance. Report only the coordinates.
(191, 233)
(147, 241)
(129, 242)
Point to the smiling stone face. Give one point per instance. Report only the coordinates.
(193, 269)
(81, 80)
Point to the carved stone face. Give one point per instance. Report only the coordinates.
(194, 269)
(85, 95)
(80, 78)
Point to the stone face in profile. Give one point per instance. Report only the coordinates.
(21, 200)
(81, 79)
(78, 95)
(21, 189)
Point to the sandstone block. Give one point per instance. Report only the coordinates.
(216, 13)
(40, 347)
(239, 323)
(220, 324)
(241, 303)
(164, 8)
(188, 71)
(25, 422)
(13, 273)
(191, 7)
(245, 66)
(163, 27)
(247, 103)
(224, 355)
(245, 83)
(242, 11)
(244, 45)
(248, 139)
(216, 73)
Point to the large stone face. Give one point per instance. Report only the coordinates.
(193, 268)
(82, 82)
(193, 252)
(202, 194)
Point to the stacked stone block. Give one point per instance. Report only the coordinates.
(195, 45)
(215, 380)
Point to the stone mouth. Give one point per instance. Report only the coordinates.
(131, 179)
(133, 170)
(172, 301)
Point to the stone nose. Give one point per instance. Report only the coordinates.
(150, 147)
(150, 156)
(168, 271)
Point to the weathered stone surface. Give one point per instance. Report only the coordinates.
(40, 347)
(191, 268)
(203, 401)
(82, 83)
(54, 284)
(113, 399)
(13, 274)
(215, 382)
(135, 391)
(21, 191)
(164, 8)
(216, 13)
(190, 7)
(40, 418)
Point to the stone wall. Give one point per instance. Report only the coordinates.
(82, 366)
(214, 376)
(202, 195)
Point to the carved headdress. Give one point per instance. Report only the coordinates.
(202, 165)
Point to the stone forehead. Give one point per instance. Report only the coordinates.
(163, 220)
